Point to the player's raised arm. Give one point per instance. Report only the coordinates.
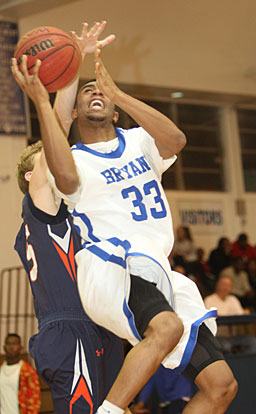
(168, 137)
(58, 155)
(87, 43)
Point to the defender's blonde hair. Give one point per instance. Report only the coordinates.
(26, 163)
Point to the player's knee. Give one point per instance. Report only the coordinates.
(223, 392)
(176, 327)
(229, 390)
(167, 328)
(226, 393)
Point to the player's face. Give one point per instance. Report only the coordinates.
(93, 105)
(12, 347)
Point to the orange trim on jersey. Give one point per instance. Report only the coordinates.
(72, 257)
(81, 390)
(64, 258)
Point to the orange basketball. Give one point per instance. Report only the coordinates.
(59, 54)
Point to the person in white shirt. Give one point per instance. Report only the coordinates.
(227, 304)
(19, 382)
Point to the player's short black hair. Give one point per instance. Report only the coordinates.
(15, 335)
(89, 81)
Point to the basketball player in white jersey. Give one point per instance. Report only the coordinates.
(111, 180)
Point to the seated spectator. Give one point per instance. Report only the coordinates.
(220, 257)
(184, 250)
(19, 382)
(202, 275)
(241, 286)
(228, 305)
(251, 273)
(173, 390)
(193, 276)
(241, 248)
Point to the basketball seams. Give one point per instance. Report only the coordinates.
(59, 76)
(37, 38)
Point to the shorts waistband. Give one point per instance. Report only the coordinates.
(75, 315)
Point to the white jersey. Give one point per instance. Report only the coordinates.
(122, 214)
(121, 193)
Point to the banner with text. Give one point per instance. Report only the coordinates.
(203, 217)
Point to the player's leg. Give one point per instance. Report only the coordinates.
(217, 388)
(160, 338)
(69, 358)
(160, 329)
(217, 385)
(112, 359)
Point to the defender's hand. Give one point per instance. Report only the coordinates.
(89, 40)
(30, 84)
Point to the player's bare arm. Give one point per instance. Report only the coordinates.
(168, 137)
(87, 43)
(40, 188)
(57, 151)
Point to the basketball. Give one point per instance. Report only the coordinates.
(59, 54)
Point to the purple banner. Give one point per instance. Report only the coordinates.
(12, 105)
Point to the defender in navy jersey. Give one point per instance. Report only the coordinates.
(113, 184)
(78, 359)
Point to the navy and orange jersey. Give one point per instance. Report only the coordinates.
(46, 245)
(78, 359)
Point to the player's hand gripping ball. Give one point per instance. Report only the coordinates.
(59, 54)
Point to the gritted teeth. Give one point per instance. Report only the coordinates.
(96, 102)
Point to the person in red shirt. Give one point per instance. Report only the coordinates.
(242, 248)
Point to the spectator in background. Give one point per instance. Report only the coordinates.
(241, 248)
(241, 286)
(19, 382)
(228, 305)
(184, 249)
(220, 257)
(173, 390)
(251, 273)
(198, 271)
(180, 269)
(202, 275)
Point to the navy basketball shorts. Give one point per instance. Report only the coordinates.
(207, 349)
(79, 361)
(145, 301)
